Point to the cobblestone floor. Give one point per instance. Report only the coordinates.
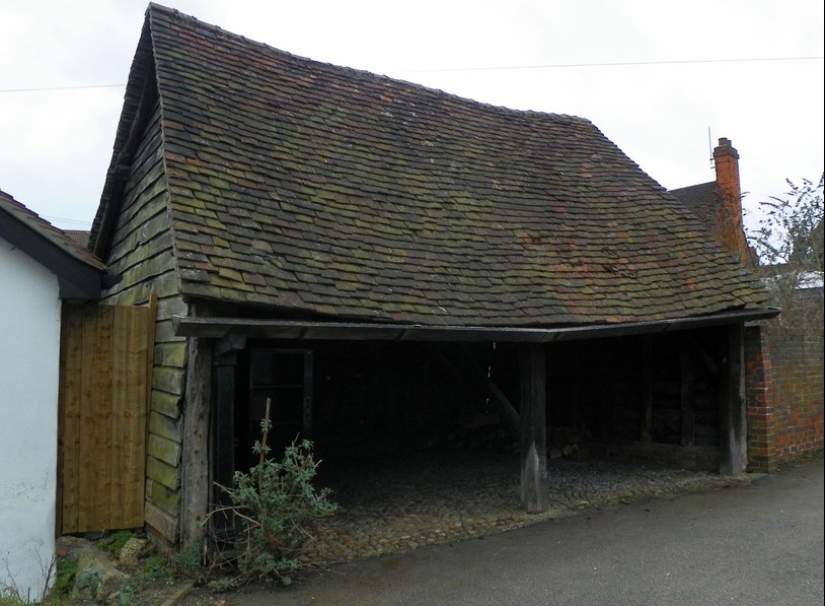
(428, 498)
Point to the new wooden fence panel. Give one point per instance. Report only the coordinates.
(103, 417)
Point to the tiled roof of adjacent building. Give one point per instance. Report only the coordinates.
(332, 192)
(78, 236)
(702, 200)
(47, 231)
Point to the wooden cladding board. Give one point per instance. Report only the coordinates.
(103, 412)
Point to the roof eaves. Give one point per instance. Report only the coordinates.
(218, 328)
(79, 274)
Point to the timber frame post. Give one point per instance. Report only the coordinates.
(195, 459)
(225, 362)
(733, 428)
(533, 493)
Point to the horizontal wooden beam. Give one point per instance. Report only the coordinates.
(217, 328)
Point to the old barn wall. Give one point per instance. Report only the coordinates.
(395, 396)
(605, 387)
(372, 397)
(141, 252)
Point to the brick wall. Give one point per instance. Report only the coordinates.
(785, 393)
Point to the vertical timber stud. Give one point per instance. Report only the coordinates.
(533, 430)
(195, 464)
(225, 362)
(646, 432)
(687, 393)
(733, 430)
(307, 403)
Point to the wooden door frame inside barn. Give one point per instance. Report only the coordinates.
(216, 344)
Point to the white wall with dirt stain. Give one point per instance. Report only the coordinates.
(29, 366)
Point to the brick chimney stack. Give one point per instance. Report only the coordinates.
(729, 218)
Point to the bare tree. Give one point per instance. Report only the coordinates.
(789, 246)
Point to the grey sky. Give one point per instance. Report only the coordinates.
(55, 145)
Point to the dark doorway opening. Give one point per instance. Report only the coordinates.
(284, 377)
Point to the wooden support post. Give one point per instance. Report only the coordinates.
(733, 430)
(646, 432)
(225, 362)
(307, 403)
(687, 394)
(533, 430)
(195, 458)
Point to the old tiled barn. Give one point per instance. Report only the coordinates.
(393, 266)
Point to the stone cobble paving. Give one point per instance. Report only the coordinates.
(390, 506)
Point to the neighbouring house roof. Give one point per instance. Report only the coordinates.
(703, 201)
(78, 271)
(328, 192)
(78, 236)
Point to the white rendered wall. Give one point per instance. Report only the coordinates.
(29, 359)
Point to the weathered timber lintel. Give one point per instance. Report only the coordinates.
(217, 328)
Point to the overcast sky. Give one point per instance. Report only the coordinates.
(654, 76)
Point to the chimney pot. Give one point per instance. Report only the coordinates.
(725, 149)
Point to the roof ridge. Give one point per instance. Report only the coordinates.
(173, 12)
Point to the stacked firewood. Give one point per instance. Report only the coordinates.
(567, 442)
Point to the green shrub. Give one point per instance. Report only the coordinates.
(275, 507)
(158, 568)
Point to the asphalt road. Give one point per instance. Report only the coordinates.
(756, 544)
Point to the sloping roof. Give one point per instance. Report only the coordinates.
(703, 201)
(79, 272)
(328, 191)
(78, 236)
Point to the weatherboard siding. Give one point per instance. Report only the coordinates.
(141, 253)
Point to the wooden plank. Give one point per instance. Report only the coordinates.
(492, 390)
(733, 428)
(223, 455)
(102, 408)
(646, 433)
(195, 456)
(61, 425)
(89, 421)
(460, 362)
(103, 395)
(510, 413)
(151, 319)
(132, 463)
(307, 401)
(69, 440)
(533, 493)
(117, 434)
(687, 391)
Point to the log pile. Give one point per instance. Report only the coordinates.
(567, 442)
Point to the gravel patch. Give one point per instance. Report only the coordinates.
(392, 505)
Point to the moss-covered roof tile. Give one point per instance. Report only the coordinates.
(332, 191)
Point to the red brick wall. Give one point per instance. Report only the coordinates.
(785, 393)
